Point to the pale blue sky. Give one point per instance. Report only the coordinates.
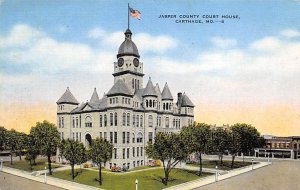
(47, 45)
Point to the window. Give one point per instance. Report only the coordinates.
(100, 120)
(76, 122)
(141, 151)
(59, 122)
(79, 121)
(116, 137)
(124, 119)
(111, 137)
(159, 121)
(137, 151)
(73, 134)
(127, 153)
(174, 123)
(128, 137)
(128, 119)
(123, 153)
(76, 136)
(100, 135)
(123, 137)
(116, 119)
(62, 122)
(80, 136)
(73, 122)
(141, 123)
(142, 162)
(88, 121)
(150, 121)
(62, 135)
(115, 153)
(105, 120)
(167, 122)
(137, 120)
(139, 138)
(133, 120)
(105, 135)
(133, 138)
(111, 119)
(150, 137)
(133, 83)
(146, 103)
(133, 151)
(150, 103)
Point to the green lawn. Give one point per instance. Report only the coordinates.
(24, 165)
(226, 164)
(148, 180)
(141, 168)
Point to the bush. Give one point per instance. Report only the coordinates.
(86, 165)
(153, 163)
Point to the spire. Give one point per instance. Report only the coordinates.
(95, 98)
(67, 98)
(157, 89)
(166, 93)
(149, 90)
(119, 88)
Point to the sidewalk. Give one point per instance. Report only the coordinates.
(50, 180)
(212, 179)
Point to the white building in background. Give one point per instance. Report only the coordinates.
(129, 115)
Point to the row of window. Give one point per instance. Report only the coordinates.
(135, 84)
(61, 107)
(77, 122)
(125, 137)
(115, 100)
(134, 164)
(136, 152)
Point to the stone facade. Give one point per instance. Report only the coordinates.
(129, 115)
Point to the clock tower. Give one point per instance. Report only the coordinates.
(128, 66)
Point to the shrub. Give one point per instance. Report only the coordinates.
(86, 165)
(116, 169)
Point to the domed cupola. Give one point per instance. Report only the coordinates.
(128, 47)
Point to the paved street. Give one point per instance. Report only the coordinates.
(281, 175)
(12, 182)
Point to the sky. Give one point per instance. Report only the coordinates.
(245, 70)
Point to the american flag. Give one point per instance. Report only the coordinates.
(135, 13)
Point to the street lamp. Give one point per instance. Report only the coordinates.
(252, 163)
(216, 177)
(136, 184)
(45, 178)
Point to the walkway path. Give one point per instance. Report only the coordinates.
(281, 175)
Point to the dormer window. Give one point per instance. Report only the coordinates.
(88, 121)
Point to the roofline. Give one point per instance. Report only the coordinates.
(126, 72)
(73, 103)
(119, 94)
(130, 54)
(166, 99)
(149, 95)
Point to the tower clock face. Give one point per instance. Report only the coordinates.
(136, 62)
(120, 62)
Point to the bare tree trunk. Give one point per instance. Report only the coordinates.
(73, 175)
(221, 159)
(243, 158)
(30, 164)
(20, 154)
(166, 177)
(200, 163)
(232, 162)
(11, 157)
(49, 164)
(100, 174)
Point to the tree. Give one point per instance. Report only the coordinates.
(100, 152)
(196, 138)
(234, 143)
(219, 142)
(32, 150)
(170, 149)
(3, 132)
(11, 142)
(21, 143)
(74, 152)
(47, 139)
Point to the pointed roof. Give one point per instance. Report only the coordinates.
(157, 89)
(67, 98)
(119, 88)
(186, 101)
(166, 93)
(95, 98)
(149, 90)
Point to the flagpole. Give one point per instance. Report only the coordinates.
(128, 15)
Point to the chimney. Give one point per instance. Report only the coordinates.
(179, 99)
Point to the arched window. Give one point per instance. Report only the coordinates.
(154, 103)
(167, 106)
(150, 121)
(141, 123)
(105, 120)
(128, 119)
(101, 121)
(133, 138)
(174, 123)
(88, 121)
(138, 85)
(150, 103)
(137, 120)
(111, 119)
(170, 106)
(139, 138)
(133, 83)
(133, 120)
(164, 106)
(116, 119)
(146, 103)
(167, 122)
(124, 119)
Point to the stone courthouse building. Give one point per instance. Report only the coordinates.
(129, 115)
